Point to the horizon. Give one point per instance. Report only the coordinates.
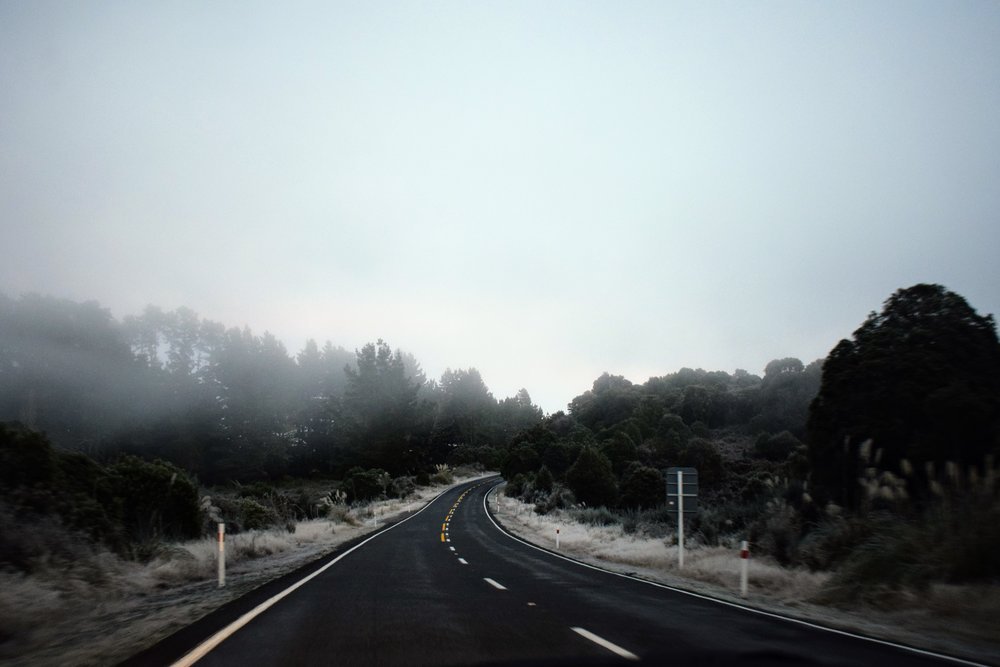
(543, 193)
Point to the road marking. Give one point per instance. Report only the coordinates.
(600, 641)
(532, 604)
(463, 561)
(452, 548)
(204, 648)
(760, 612)
(495, 584)
(442, 537)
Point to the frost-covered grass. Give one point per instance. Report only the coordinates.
(656, 558)
(957, 620)
(97, 609)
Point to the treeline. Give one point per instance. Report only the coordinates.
(227, 404)
(618, 437)
(879, 462)
(888, 443)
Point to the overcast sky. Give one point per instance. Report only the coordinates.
(541, 190)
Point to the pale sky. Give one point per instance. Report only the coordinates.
(542, 190)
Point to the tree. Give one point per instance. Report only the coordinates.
(591, 479)
(921, 380)
(380, 408)
(466, 408)
(611, 400)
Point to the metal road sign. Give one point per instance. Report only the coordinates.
(689, 481)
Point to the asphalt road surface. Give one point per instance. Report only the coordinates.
(447, 587)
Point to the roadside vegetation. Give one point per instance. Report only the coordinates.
(877, 466)
(872, 473)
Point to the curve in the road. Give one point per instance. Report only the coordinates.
(753, 610)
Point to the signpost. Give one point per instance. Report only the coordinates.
(682, 493)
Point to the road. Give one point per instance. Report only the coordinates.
(447, 587)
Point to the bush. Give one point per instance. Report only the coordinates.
(158, 500)
(361, 485)
(443, 476)
(515, 486)
(702, 454)
(776, 447)
(403, 487)
(559, 498)
(595, 516)
(543, 480)
(642, 486)
(591, 478)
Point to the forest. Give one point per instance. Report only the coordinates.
(111, 428)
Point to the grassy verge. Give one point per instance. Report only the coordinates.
(93, 608)
(955, 620)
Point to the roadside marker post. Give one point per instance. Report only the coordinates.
(222, 555)
(557, 538)
(744, 567)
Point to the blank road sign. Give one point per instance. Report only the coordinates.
(689, 482)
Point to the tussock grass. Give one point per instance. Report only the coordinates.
(656, 557)
(98, 609)
(953, 619)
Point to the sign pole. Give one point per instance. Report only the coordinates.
(680, 519)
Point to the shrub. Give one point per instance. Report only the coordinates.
(543, 480)
(559, 498)
(403, 487)
(443, 476)
(776, 447)
(591, 478)
(158, 500)
(361, 485)
(595, 516)
(702, 454)
(642, 486)
(515, 486)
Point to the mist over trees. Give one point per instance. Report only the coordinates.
(889, 442)
(228, 404)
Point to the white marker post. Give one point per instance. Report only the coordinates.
(557, 539)
(680, 519)
(222, 555)
(744, 567)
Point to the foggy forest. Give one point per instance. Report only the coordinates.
(115, 432)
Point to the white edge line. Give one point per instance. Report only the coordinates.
(495, 584)
(222, 635)
(600, 641)
(760, 612)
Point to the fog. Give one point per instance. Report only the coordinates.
(543, 193)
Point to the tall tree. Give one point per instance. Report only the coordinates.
(921, 380)
(379, 405)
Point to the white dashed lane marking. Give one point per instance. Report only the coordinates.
(600, 641)
(495, 584)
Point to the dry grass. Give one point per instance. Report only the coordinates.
(100, 609)
(956, 620)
